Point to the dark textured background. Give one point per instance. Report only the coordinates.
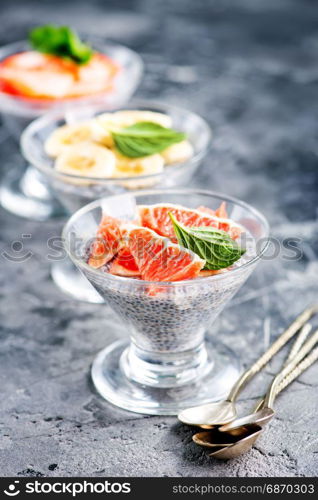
(251, 69)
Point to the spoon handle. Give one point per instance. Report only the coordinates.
(307, 347)
(274, 348)
(300, 368)
(300, 339)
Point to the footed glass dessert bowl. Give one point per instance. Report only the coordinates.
(24, 191)
(73, 189)
(166, 365)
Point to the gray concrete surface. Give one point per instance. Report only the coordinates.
(250, 68)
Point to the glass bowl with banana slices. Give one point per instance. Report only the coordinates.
(89, 153)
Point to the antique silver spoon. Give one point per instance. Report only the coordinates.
(222, 412)
(241, 446)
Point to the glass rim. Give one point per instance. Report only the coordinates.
(50, 117)
(129, 280)
(30, 107)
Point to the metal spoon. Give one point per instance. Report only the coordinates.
(231, 434)
(215, 439)
(265, 414)
(238, 448)
(262, 414)
(222, 412)
(242, 446)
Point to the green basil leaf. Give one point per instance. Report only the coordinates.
(144, 139)
(60, 41)
(216, 247)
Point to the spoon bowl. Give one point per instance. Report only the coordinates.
(241, 446)
(209, 415)
(216, 439)
(261, 418)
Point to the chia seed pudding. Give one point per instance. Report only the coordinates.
(173, 318)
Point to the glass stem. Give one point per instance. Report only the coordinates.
(165, 369)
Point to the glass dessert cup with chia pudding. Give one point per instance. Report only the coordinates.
(75, 191)
(167, 364)
(24, 191)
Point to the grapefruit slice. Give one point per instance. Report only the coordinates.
(109, 240)
(219, 212)
(124, 264)
(156, 217)
(160, 260)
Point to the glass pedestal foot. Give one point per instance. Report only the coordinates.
(215, 383)
(25, 193)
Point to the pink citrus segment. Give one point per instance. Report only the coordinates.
(124, 264)
(149, 250)
(160, 260)
(108, 242)
(156, 217)
(219, 212)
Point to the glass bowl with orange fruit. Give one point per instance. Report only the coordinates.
(167, 262)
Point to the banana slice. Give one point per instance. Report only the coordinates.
(126, 118)
(67, 135)
(105, 122)
(135, 167)
(86, 159)
(181, 151)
